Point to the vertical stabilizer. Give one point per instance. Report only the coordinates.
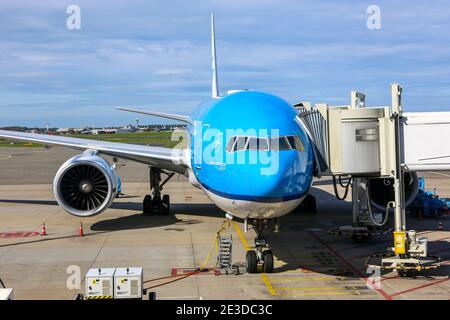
(215, 83)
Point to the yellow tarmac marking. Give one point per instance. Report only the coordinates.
(310, 288)
(295, 294)
(241, 236)
(264, 277)
(301, 291)
(294, 279)
(268, 284)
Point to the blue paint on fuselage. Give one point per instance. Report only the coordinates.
(265, 176)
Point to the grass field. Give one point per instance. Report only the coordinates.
(161, 139)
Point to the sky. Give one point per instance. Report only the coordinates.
(156, 55)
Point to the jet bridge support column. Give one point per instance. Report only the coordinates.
(409, 254)
(399, 209)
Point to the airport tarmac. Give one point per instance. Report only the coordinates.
(309, 263)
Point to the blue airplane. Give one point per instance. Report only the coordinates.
(247, 151)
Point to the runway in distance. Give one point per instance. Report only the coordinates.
(247, 151)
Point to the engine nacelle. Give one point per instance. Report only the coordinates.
(85, 185)
(382, 190)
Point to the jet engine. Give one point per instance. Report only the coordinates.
(382, 190)
(85, 185)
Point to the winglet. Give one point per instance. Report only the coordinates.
(215, 83)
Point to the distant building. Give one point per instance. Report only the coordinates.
(127, 129)
(130, 129)
(103, 131)
(63, 130)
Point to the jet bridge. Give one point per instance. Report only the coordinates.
(377, 151)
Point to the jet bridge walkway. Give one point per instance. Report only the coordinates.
(379, 149)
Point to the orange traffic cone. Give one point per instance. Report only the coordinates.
(43, 230)
(440, 225)
(81, 233)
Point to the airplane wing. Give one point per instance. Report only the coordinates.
(164, 158)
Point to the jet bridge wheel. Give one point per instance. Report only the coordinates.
(406, 273)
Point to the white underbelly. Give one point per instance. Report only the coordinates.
(253, 209)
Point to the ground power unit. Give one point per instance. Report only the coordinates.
(114, 283)
(99, 283)
(128, 283)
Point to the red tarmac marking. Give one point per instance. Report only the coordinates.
(18, 234)
(420, 287)
(350, 266)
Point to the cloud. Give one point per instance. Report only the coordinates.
(156, 54)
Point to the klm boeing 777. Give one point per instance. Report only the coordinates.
(247, 151)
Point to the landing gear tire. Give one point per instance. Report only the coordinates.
(310, 204)
(251, 261)
(166, 204)
(268, 261)
(153, 203)
(147, 205)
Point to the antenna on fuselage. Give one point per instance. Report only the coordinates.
(215, 82)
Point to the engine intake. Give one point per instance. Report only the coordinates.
(382, 190)
(85, 185)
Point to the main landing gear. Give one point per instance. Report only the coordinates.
(155, 204)
(262, 254)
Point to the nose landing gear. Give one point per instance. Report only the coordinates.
(156, 204)
(262, 253)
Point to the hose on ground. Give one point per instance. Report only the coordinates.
(224, 226)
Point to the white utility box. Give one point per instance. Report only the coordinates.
(99, 283)
(6, 294)
(128, 283)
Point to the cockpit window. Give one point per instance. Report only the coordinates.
(240, 143)
(258, 144)
(295, 143)
(230, 144)
(280, 144)
(264, 144)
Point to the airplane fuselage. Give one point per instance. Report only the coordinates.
(249, 155)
